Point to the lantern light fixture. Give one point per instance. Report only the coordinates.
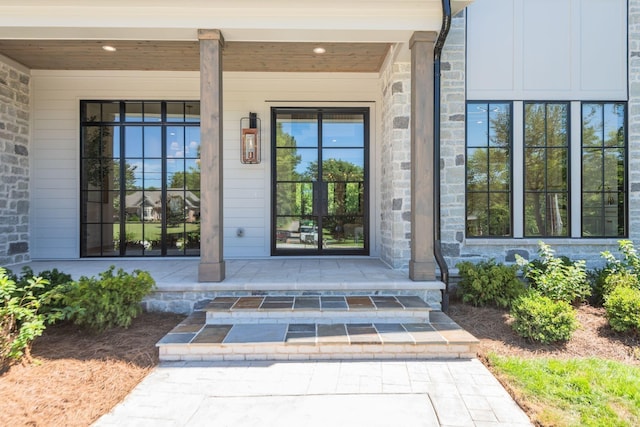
(250, 139)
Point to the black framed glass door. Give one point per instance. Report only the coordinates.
(320, 181)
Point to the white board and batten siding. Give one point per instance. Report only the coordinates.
(55, 149)
(547, 50)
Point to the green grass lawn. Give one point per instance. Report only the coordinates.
(575, 392)
(152, 230)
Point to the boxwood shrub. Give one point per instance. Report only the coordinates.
(542, 319)
(489, 283)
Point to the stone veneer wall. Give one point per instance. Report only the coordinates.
(395, 157)
(456, 247)
(452, 137)
(14, 163)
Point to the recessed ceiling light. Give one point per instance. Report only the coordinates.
(109, 48)
(319, 50)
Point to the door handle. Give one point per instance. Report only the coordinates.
(316, 198)
(324, 198)
(320, 198)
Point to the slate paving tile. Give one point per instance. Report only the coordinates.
(187, 328)
(333, 303)
(221, 303)
(360, 303)
(335, 333)
(302, 303)
(197, 317)
(212, 334)
(393, 333)
(424, 333)
(454, 336)
(176, 339)
(363, 334)
(258, 333)
(301, 333)
(248, 303)
(302, 327)
(412, 302)
(383, 302)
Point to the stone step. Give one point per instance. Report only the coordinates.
(317, 309)
(193, 339)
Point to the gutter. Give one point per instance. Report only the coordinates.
(437, 242)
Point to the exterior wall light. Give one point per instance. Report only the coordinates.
(250, 139)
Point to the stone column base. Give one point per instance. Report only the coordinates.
(422, 271)
(211, 272)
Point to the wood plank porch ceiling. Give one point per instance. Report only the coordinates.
(185, 55)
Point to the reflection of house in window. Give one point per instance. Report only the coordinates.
(182, 206)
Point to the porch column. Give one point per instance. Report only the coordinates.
(211, 267)
(422, 264)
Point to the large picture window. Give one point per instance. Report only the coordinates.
(140, 178)
(489, 146)
(604, 194)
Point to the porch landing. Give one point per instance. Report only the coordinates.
(263, 275)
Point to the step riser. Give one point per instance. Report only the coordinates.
(198, 352)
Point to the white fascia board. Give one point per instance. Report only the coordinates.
(411, 17)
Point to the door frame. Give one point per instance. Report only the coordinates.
(365, 250)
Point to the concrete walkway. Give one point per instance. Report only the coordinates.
(310, 394)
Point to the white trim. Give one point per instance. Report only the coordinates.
(575, 173)
(518, 169)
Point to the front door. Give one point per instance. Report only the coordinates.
(320, 181)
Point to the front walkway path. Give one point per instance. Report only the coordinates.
(315, 394)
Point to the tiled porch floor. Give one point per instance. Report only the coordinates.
(172, 274)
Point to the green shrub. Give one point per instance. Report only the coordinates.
(556, 278)
(540, 318)
(630, 261)
(108, 301)
(20, 321)
(489, 283)
(623, 309)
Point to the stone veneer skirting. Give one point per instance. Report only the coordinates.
(14, 163)
(185, 302)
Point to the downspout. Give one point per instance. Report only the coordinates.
(437, 242)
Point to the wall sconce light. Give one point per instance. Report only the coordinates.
(250, 139)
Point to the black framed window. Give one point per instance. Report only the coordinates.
(604, 169)
(140, 178)
(546, 169)
(488, 172)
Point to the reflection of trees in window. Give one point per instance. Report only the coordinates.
(287, 160)
(128, 205)
(345, 188)
(488, 179)
(546, 168)
(603, 169)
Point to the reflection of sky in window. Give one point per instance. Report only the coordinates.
(343, 134)
(305, 133)
(137, 137)
(480, 128)
(334, 134)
